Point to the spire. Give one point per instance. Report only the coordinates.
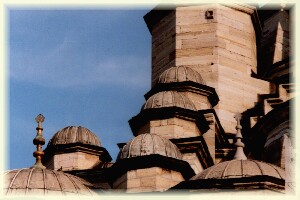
(239, 154)
(39, 141)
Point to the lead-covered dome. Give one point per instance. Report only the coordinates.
(169, 99)
(149, 144)
(240, 169)
(74, 134)
(180, 74)
(30, 181)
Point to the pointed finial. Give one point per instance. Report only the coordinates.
(238, 117)
(39, 141)
(239, 154)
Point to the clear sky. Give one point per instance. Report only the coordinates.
(86, 68)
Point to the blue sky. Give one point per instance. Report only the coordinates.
(86, 68)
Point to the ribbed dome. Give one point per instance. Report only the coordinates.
(180, 74)
(148, 144)
(74, 134)
(169, 99)
(44, 182)
(240, 169)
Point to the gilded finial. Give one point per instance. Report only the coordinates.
(40, 119)
(239, 154)
(39, 141)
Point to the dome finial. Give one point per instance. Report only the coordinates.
(39, 141)
(239, 154)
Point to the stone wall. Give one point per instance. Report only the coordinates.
(229, 65)
(74, 161)
(163, 46)
(148, 180)
(172, 128)
(222, 50)
(275, 38)
(194, 162)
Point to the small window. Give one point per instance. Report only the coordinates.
(209, 14)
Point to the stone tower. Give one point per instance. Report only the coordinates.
(219, 42)
(206, 66)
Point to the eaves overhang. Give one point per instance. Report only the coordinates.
(76, 147)
(166, 113)
(142, 162)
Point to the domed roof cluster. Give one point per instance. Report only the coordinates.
(240, 169)
(180, 74)
(31, 181)
(169, 99)
(74, 134)
(148, 144)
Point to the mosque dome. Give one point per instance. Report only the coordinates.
(169, 99)
(32, 181)
(237, 175)
(240, 166)
(240, 169)
(74, 134)
(180, 74)
(148, 144)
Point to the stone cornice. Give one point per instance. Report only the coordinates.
(124, 165)
(156, 14)
(165, 113)
(195, 145)
(159, 12)
(76, 147)
(252, 11)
